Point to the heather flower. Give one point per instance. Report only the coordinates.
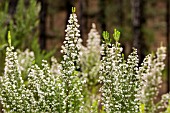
(90, 57)
(163, 103)
(90, 66)
(45, 89)
(71, 84)
(25, 60)
(12, 94)
(150, 73)
(119, 78)
(55, 68)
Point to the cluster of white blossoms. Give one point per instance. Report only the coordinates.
(45, 89)
(90, 66)
(119, 78)
(151, 79)
(90, 57)
(55, 68)
(12, 89)
(71, 82)
(25, 60)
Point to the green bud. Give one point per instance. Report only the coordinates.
(106, 37)
(33, 62)
(116, 35)
(73, 9)
(9, 38)
(142, 108)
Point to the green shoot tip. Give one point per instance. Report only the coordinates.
(73, 9)
(106, 37)
(116, 35)
(9, 38)
(33, 62)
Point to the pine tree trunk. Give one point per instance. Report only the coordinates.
(42, 27)
(12, 7)
(69, 10)
(86, 16)
(102, 18)
(121, 12)
(138, 21)
(81, 17)
(168, 42)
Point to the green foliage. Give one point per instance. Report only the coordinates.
(168, 108)
(23, 27)
(9, 38)
(40, 54)
(3, 26)
(142, 108)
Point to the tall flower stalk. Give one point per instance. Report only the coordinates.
(118, 77)
(90, 66)
(151, 79)
(90, 57)
(45, 89)
(71, 84)
(12, 85)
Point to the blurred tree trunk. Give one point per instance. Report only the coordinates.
(42, 27)
(121, 13)
(85, 15)
(12, 7)
(102, 18)
(69, 10)
(138, 21)
(168, 42)
(81, 17)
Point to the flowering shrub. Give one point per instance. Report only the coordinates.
(150, 73)
(127, 88)
(25, 60)
(90, 66)
(68, 86)
(71, 82)
(119, 78)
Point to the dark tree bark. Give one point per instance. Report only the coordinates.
(69, 6)
(42, 27)
(121, 13)
(86, 15)
(12, 7)
(102, 6)
(168, 42)
(81, 17)
(138, 21)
